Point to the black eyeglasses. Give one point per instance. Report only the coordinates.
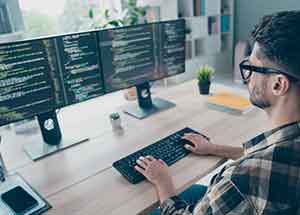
(247, 69)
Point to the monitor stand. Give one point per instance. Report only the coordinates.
(53, 141)
(146, 105)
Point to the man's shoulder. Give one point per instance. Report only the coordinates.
(269, 173)
(284, 152)
(271, 176)
(287, 152)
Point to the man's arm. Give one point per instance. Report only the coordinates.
(157, 172)
(222, 198)
(227, 151)
(202, 146)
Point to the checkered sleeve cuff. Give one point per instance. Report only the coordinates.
(174, 206)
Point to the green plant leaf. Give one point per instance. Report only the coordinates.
(130, 16)
(114, 23)
(91, 13)
(106, 14)
(204, 73)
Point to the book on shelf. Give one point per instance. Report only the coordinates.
(213, 26)
(224, 41)
(199, 47)
(225, 20)
(230, 102)
(188, 49)
(202, 7)
(225, 7)
(199, 7)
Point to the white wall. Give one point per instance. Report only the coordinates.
(248, 13)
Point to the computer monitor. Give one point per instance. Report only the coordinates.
(39, 76)
(136, 55)
(26, 88)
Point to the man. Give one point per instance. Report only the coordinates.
(265, 176)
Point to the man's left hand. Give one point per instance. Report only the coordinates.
(156, 171)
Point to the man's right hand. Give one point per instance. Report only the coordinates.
(199, 144)
(202, 146)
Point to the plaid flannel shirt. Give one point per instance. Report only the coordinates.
(266, 180)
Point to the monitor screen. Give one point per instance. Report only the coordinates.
(41, 75)
(80, 67)
(26, 86)
(137, 54)
(127, 56)
(172, 47)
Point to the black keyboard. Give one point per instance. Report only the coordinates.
(169, 149)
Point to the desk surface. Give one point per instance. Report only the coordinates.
(81, 180)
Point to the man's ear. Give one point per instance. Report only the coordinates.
(280, 84)
(276, 86)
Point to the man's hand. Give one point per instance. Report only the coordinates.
(157, 172)
(200, 145)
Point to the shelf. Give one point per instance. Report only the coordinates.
(194, 17)
(226, 33)
(188, 49)
(226, 13)
(227, 6)
(211, 34)
(195, 25)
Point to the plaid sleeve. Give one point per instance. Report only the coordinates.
(175, 206)
(224, 198)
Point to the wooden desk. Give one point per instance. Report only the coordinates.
(81, 180)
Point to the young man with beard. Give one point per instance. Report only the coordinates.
(265, 176)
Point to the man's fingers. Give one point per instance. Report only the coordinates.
(139, 169)
(196, 138)
(189, 147)
(150, 158)
(162, 162)
(189, 135)
(193, 135)
(190, 139)
(187, 138)
(142, 162)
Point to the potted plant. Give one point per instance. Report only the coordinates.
(204, 75)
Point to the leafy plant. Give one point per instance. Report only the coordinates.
(188, 31)
(204, 74)
(132, 15)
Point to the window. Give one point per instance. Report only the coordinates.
(49, 17)
(5, 25)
